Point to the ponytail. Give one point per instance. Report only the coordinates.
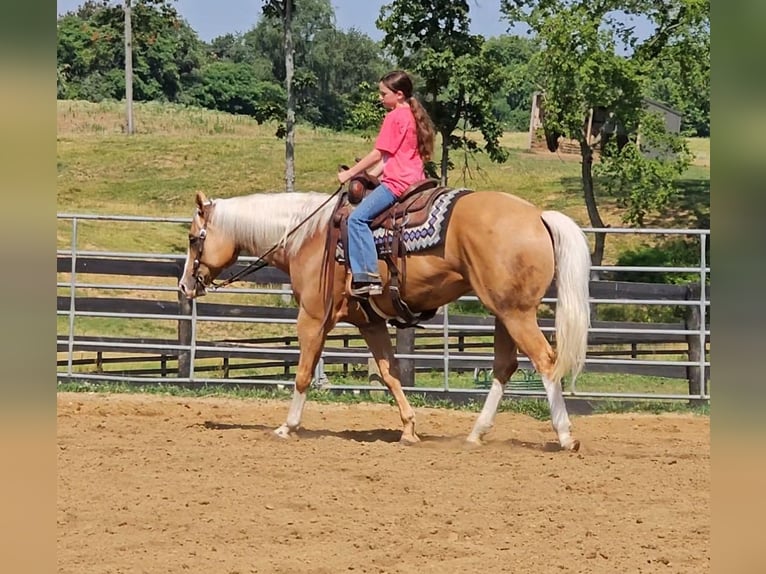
(424, 128)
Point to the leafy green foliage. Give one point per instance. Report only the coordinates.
(463, 307)
(239, 73)
(235, 88)
(672, 252)
(512, 101)
(676, 252)
(366, 113)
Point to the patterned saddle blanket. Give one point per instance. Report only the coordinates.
(417, 222)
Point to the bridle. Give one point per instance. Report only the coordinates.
(255, 265)
(200, 240)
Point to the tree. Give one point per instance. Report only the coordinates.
(235, 48)
(458, 76)
(338, 63)
(329, 64)
(592, 57)
(323, 69)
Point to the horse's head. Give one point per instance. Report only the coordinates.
(210, 251)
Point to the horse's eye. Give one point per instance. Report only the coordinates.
(192, 240)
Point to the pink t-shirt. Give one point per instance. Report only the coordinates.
(398, 143)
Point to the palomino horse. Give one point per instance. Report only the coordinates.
(497, 245)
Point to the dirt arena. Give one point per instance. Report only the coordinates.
(169, 484)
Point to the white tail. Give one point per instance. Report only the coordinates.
(572, 255)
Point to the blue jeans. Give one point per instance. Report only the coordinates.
(362, 256)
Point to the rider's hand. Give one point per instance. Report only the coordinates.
(344, 176)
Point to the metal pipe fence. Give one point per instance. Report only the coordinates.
(75, 334)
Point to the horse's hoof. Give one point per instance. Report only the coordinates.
(409, 440)
(473, 442)
(572, 446)
(282, 432)
(575, 446)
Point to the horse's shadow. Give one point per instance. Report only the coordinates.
(371, 435)
(374, 435)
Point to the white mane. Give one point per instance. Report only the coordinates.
(262, 220)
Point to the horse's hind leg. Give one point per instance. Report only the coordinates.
(523, 328)
(378, 340)
(504, 365)
(311, 338)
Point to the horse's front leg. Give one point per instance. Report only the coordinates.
(379, 342)
(311, 338)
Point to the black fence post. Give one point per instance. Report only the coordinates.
(405, 344)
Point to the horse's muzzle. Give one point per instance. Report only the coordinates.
(198, 290)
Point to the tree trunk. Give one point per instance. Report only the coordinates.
(590, 203)
(445, 159)
(290, 119)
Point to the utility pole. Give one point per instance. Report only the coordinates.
(128, 68)
(290, 119)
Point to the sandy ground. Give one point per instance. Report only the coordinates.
(168, 484)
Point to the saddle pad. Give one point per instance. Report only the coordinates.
(421, 237)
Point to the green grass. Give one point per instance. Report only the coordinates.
(700, 149)
(620, 383)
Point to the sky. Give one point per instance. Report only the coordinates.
(212, 18)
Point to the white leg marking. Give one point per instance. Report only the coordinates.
(559, 416)
(293, 415)
(487, 416)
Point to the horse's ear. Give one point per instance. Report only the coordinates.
(201, 200)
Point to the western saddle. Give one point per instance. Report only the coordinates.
(411, 210)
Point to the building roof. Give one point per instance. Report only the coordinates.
(663, 106)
